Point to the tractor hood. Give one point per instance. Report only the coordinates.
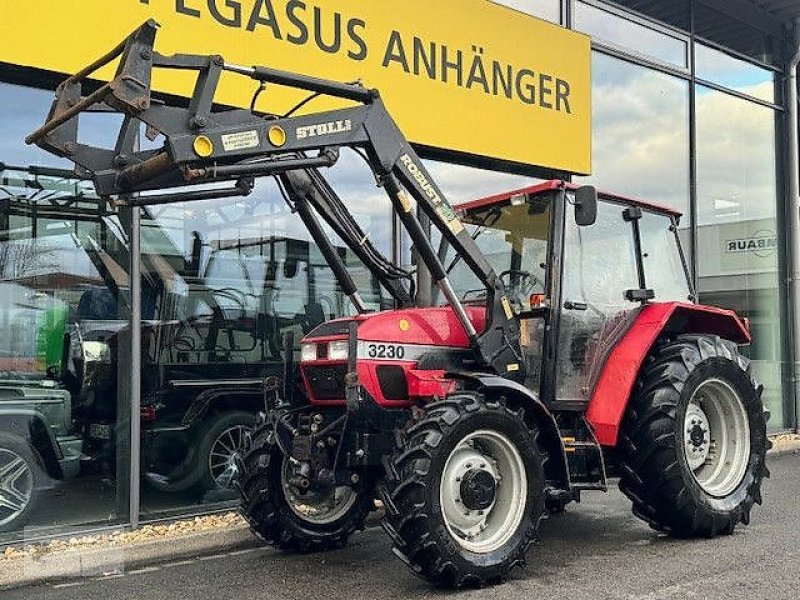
(433, 326)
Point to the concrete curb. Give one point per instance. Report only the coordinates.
(104, 561)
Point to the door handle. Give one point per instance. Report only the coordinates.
(570, 305)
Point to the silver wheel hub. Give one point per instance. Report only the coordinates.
(696, 436)
(716, 434)
(226, 449)
(16, 485)
(320, 507)
(483, 492)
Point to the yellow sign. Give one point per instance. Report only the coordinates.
(476, 80)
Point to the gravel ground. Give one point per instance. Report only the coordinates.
(123, 538)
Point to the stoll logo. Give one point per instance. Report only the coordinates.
(761, 243)
(320, 129)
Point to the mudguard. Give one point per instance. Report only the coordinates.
(556, 466)
(31, 425)
(614, 385)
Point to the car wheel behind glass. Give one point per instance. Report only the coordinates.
(224, 437)
(20, 478)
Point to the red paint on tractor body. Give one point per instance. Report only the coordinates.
(614, 386)
(433, 326)
(437, 327)
(554, 184)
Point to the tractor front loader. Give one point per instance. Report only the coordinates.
(563, 340)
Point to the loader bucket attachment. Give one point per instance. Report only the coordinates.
(128, 93)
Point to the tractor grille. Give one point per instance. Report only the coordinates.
(392, 380)
(326, 381)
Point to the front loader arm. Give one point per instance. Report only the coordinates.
(205, 144)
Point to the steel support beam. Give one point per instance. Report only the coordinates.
(793, 185)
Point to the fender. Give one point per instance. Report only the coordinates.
(612, 391)
(238, 394)
(39, 436)
(550, 437)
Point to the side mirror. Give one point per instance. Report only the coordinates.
(585, 205)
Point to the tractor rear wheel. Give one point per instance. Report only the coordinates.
(464, 492)
(292, 519)
(693, 442)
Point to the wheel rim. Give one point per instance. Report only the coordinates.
(716, 436)
(16, 485)
(226, 449)
(484, 491)
(320, 508)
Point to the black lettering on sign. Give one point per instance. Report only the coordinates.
(333, 32)
(301, 37)
(235, 18)
(562, 95)
(180, 6)
(544, 90)
(457, 66)
(502, 79)
(336, 43)
(477, 72)
(269, 19)
(353, 25)
(395, 51)
(526, 91)
(425, 56)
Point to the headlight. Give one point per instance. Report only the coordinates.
(96, 352)
(308, 352)
(338, 350)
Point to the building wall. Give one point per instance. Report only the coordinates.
(677, 120)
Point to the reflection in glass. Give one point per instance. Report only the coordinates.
(620, 31)
(718, 67)
(545, 9)
(64, 367)
(737, 241)
(223, 282)
(674, 12)
(736, 34)
(640, 142)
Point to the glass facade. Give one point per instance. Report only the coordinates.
(677, 120)
(222, 283)
(64, 355)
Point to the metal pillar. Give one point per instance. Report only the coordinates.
(136, 367)
(793, 180)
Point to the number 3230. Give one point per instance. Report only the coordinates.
(385, 351)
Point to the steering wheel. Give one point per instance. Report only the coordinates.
(238, 297)
(526, 282)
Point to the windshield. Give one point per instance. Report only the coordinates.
(514, 240)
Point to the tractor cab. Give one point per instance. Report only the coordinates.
(574, 283)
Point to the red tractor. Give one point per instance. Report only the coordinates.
(560, 340)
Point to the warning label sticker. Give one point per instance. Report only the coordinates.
(240, 141)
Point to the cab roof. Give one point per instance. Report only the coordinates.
(554, 184)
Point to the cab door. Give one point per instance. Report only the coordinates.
(599, 266)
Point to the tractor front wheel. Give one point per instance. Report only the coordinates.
(693, 442)
(294, 519)
(464, 492)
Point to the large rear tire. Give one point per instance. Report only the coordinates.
(288, 519)
(693, 442)
(464, 491)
